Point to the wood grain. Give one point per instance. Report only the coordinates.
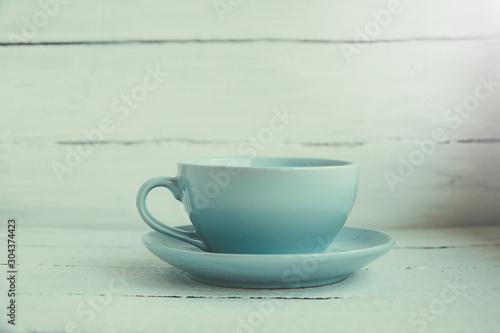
(457, 185)
(156, 20)
(226, 79)
(215, 93)
(65, 69)
(62, 269)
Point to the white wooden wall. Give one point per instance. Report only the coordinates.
(63, 73)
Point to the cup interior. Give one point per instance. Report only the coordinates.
(267, 162)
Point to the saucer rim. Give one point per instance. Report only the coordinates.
(388, 245)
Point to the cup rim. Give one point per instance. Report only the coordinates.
(327, 163)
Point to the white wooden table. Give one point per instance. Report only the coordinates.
(434, 280)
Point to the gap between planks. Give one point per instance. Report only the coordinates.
(230, 142)
(220, 297)
(256, 40)
(394, 248)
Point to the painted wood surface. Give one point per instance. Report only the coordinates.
(62, 270)
(100, 193)
(85, 84)
(226, 82)
(381, 110)
(156, 20)
(220, 92)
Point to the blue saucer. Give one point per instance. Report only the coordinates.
(352, 249)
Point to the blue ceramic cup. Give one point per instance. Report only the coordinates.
(259, 205)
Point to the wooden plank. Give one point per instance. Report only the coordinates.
(389, 314)
(199, 20)
(76, 272)
(449, 188)
(51, 251)
(220, 92)
(386, 294)
(54, 238)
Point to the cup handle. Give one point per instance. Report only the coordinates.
(172, 184)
